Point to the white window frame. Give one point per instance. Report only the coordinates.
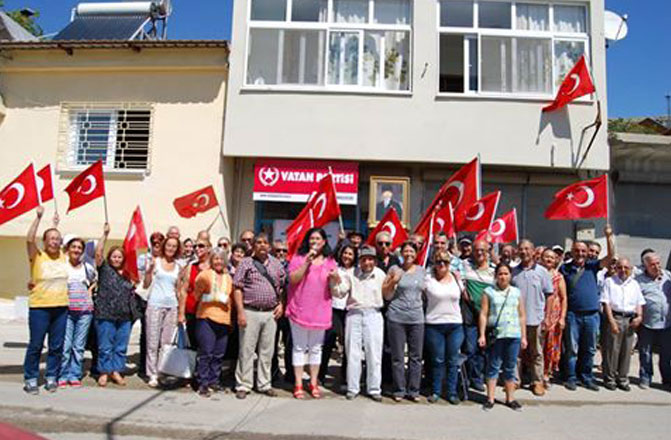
(478, 33)
(329, 26)
(67, 163)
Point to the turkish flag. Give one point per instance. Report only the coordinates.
(586, 199)
(392, 224)
(322, 207)
(199, 201)
(576, 84)
(45, 184)
(87, 186)
(20, 196)
(503, 229)
(480, 214)
(461, 190)
(136, 238)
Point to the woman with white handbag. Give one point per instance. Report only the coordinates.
(213, 320)
(161, 316)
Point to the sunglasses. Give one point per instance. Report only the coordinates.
(156, 243)
(284, 251)
(246, 239)
(442, 263)
(201, 246)
(384, 243)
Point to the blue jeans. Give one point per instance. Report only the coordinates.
(113, 339)
(443, 342)
(43, 321)
(76, 334)
(580, 344)
(475, 364)
(648, 338)
(502, 354)
(212, 338)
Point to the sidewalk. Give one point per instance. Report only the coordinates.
(145, 413)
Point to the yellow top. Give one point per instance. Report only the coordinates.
(50, 277)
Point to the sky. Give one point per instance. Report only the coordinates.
(638, 67)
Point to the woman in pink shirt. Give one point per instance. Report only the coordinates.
(309, 306)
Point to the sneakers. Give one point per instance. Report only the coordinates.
(644, 385)
(610, 386)
(514, 405)
(350, 396)
(571, 386)
(592, 386)
(624, 386)
(376, 397)
(31, 388)
(62, 384)
(153, 382)
(488, 406)
(51, 386)
(433, 398)
(76, 383)
(453, 400)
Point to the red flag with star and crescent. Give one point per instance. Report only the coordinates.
(87, 186)
(196, 202)
(20, 196)
(45, 183)
(461, 190)
(392, 224)
(585, 199)
(480, 214)
(136, 239)
(503, 229)
(322, 207)
(576, 84)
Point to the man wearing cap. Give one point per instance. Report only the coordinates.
(355, 238)
(465, 248)
(364, 326)
(535, 284)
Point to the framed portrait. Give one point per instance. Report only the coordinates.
(388, 192)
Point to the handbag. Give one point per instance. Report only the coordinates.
(178, 359)
(490, 331)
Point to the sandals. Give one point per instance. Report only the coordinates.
(315, 392)
(298, 392)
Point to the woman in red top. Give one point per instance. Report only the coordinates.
(187, 302)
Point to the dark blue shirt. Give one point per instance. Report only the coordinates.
(583, 295)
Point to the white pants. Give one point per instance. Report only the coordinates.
(364, 329)
(307, 345)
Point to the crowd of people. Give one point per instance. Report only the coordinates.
(477, 315)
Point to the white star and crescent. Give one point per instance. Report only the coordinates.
(576, 83)
(459, 185)
(92, 185)
(479, 213)
(202, 200)
(391, 228)
(20, 193)
(501, 228)
(590, 197)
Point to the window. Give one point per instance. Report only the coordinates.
(330, 44)
(508, 47)
(119, 136)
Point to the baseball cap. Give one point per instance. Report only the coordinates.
(367, 251)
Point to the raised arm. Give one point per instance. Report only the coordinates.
(100, 247)
(297, 275)
(31, 238)
(610, 247)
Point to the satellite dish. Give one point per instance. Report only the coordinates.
(615, 26)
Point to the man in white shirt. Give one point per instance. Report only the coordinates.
(622, 301)
(364, 326)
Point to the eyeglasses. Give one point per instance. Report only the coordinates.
(201, 246)
(384, 243)
(246, 239)
(442, 263)
(284, 251)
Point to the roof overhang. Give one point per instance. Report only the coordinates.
(71, 45)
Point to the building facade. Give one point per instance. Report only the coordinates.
(153, 111)
(411, 90)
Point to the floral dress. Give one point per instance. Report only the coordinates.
(553, 333)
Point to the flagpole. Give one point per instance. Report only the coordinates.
(342, 227)
(213, 221)
(479, 185)
(107, 219)
(430, 243)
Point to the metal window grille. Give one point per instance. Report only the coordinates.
(118, 135)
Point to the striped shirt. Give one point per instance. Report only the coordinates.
(78, 292)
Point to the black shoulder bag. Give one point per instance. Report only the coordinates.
(264, 272)
(490, 332)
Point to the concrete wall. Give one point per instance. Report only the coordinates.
(417, 127)
(187, 89)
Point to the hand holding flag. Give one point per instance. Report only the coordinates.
(136, 238)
